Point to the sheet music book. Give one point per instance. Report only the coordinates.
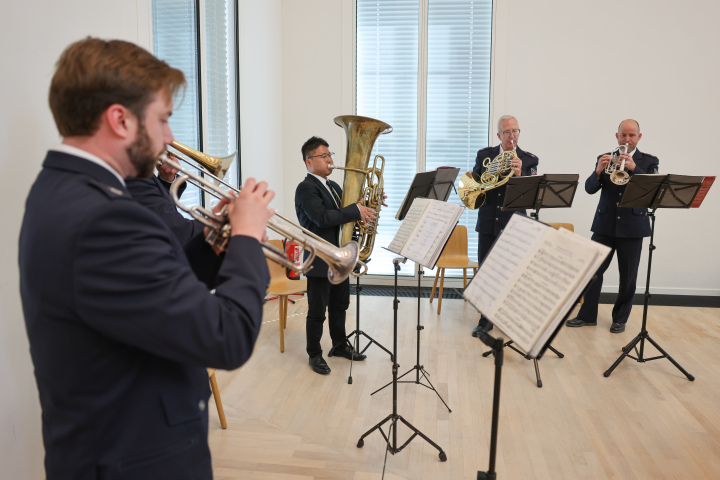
(531, 279)
(436, 184)
(425, 230)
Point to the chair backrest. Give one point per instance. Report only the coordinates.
(277, 271)
(457, 245)
(557, 226)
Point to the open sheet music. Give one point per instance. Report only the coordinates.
(531, 278)
(425, 230)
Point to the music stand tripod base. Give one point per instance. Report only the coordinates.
(357, 332)
(509, 344)
(394, 417)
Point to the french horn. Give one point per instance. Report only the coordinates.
(472, 187)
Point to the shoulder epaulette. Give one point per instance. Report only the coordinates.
(110, 191)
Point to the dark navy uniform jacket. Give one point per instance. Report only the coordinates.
(491, 218)
(121, 329)
(316, 211)
(610, 219)
(154, 194)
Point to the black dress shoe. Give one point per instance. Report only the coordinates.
(617, 327)
(476, 331)
(319, 365)
(346, 350)
(576, 322)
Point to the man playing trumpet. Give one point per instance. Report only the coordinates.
(120, 327)
(620, 228)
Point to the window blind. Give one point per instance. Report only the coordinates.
(454, 109)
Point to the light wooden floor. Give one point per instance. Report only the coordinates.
(646, 421)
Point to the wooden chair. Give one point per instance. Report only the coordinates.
(282, 286)
(558, 226)
(216, 395)
(453, 256)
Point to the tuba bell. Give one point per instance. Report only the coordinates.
(473, 187)
(361, 181)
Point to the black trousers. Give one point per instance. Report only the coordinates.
(485, 242)
(323, 295)
(628, 254)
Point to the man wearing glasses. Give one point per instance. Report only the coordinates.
(491, 218)
(319, 208)
(620, 228)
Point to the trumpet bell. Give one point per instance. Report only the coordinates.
(620, 177)
(218, 166)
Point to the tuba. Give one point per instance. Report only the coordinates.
(616, 167)
(361, 181)
(472, 189)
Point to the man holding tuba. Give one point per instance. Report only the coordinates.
(491, 218)
(318, 208)
(620, 228)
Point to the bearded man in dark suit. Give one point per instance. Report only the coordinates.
(120, 327)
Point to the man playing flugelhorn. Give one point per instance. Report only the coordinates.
(620, 228)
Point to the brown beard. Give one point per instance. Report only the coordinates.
(141, 155)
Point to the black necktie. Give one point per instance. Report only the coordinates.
(335, 196)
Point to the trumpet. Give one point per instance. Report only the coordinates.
(341, 260)
(616, 168)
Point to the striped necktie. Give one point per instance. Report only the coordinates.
(335, 196)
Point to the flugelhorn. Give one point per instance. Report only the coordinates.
(341, 260)
(616, 166)
(362, 182)
(472, 189)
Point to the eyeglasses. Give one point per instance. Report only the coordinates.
(324, 156)
(508, 132)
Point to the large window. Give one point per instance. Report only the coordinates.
(206, 118)
(423, 66)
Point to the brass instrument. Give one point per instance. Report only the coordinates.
(340, 260)
(616, 166)
(217, 166)
(361, 182)
(472, 188)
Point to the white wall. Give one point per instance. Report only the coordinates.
(317, 82)
(570, 71)
(260, 27)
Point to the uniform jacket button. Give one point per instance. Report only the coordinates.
(202, 405)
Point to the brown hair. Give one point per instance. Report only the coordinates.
(93, 74)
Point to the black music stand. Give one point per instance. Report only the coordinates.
(536, 192)
(497, 345)
(393, 418)
(437, 186)
(653, 192)
(552, 190)
(357, 332)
